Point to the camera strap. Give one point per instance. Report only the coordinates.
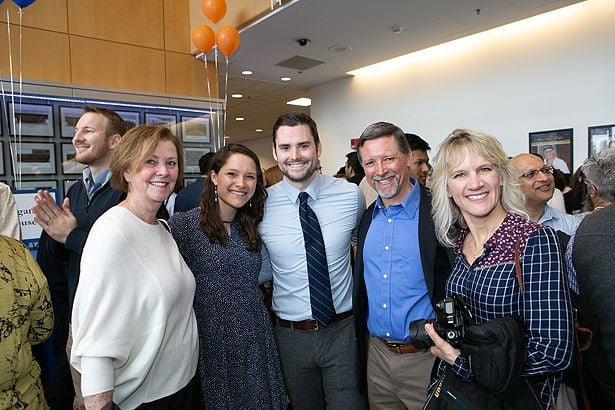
(518, 268)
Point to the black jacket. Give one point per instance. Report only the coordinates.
(190, 196)
(61, 262)
(436, 261)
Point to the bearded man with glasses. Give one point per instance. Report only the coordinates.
(537, 183)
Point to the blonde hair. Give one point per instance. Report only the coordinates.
(135, 147)
(446, 214)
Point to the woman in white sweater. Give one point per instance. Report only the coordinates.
(135, 340)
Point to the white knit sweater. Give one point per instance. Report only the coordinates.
(134, 330)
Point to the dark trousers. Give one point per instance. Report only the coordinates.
(321, 367)
(62, 392)
(188, 398)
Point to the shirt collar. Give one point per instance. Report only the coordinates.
(102, 178)
(410, 203)
(498, 238)
(547, 215)
(312, 190)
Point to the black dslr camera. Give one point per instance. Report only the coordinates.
(452, 318)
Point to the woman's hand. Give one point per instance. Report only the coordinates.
(442, 348)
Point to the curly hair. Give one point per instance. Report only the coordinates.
(446, 214)
(249, 216)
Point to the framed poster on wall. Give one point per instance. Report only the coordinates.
(164, 120)
(555, 147)
(68, 120)
(600, 137)
(36, 158)
(131, 118)
(191, 159)
(195, 129)
(36, 120)
(39, 184)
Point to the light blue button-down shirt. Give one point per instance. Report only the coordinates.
(339, 206)
(94, 184)
(559, 221)
(396, 288)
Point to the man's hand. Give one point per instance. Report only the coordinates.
(57, 222)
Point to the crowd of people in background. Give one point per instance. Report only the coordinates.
(150, 291)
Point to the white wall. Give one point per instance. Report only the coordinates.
(550, 72)
(262, 148)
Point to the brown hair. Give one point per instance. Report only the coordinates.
(249, 215)
(115, 123)
(135, 147)
(292, 119)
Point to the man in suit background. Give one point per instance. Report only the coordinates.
(400, 272)
(190, 196)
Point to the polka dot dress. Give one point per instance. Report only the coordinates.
(239, 365)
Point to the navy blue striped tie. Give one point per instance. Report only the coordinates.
(318, 270)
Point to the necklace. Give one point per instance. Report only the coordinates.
(476, 254)
(227, 222)
(481, 248)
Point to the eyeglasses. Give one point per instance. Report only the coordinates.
(534, 173)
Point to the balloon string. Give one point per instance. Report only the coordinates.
(225, 97)
(20, 82)
(211, 118)
(219, 135)
(14, 150)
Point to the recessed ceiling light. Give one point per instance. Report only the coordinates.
(239, 118)
(237, 95)
(259, 130)
(339, 48)
(246, 72)
(303, 101)
(285, 79)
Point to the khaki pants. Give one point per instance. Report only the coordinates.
(76, 376)
(397, 381)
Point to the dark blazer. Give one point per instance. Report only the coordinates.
(190, 196)
(436, 260)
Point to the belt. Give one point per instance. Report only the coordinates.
(310, 324)
(401, 348)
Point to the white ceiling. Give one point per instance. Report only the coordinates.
(364, 27)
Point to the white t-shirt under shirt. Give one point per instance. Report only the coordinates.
(134, 329)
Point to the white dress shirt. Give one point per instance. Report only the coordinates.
(339, 206)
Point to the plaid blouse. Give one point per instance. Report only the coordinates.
(490, 289)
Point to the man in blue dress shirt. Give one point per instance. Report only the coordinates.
(319, 362)
(400, 271)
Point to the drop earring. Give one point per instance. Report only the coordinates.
(250, 203)
(215, 193)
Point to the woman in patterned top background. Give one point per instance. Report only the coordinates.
(26, 318)
(478, 210)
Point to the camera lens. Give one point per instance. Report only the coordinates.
(418, 336)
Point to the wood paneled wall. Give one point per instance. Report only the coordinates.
(133, 45)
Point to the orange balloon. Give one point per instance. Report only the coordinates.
(214, 9)
(227, 40)
(203, 38)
